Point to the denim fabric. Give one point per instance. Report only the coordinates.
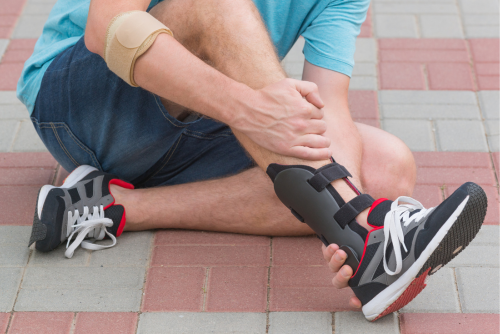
(85, 114)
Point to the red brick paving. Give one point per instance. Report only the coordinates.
(174, 289)
(496, 162)
(41, 323)
(485, 53)
(297, 251)
(405, 63)
(9, 13)
(105, 323)
(211, 255)
(31, 159)
(426, 323)
(26, 176)
(363, 105)
(17, 204)
(4, 321)
(182, 237)
(429, 196)
(237, 289)
(453, 159)
(18, 51)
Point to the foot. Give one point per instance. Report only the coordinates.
(81, 208)
(409, 242)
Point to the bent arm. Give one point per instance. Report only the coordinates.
(168, 69)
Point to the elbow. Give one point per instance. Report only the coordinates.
(92, 41)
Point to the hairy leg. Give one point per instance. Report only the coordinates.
(231, 36)
(246, 203)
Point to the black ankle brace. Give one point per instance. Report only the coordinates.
(307, 192)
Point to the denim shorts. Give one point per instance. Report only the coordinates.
(86, 115)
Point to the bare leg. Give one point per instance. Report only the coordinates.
(231, 36)
(246, 203)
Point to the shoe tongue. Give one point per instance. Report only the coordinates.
(117, 214)
(377, 213)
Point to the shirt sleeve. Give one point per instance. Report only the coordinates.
(331, 38)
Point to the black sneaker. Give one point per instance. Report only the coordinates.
(82, 207)
(409, 242)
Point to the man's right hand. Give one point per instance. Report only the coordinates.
(286, 118)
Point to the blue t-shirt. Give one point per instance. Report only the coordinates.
(329, 27)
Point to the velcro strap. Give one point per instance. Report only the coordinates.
(326, 174)
(351, 209)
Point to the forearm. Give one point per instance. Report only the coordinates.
(169, 70)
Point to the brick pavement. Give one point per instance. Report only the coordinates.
(427, 72)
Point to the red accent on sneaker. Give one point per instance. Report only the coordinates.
(377, 202)
(122, 223)
(415, 287)
(122, 184)
(364, 249)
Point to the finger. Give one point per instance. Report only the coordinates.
(313, 141)
(316, 113)
(329, 251)
(340, 280)
(355, 302)
(315, 126)
(337, 261)
(309, 90)
(308, 153)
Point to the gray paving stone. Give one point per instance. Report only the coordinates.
(13, 254)
(72, 300)
(202, 323)
(478, 6)
(489, 31)
(29, 26)
(3, 46)
(295, 53)
(355, 323)
(395, 26)
(492, 127)
(415, 8)
(366, 50)
(427, 97)
(40, 8)
(7, 131)
(430, 111)
(365, 69)
(363, 83)
(460, 135)
(417, 134)
(441, 26)
(477, 256)
(132, 249)
(478, 289)
(56, 258)
(8, 97)
(294, 69)
(300, 323)
(440, 295)
(13, 111)
(10, 278)
(27, 140)
(481, 25)
(490, 103)
(15, 234)
(488, 235)
(494, 143)
(81, 289)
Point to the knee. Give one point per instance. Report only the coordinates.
(402, 170)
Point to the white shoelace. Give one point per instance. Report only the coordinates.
(400, 214)
(92, 225)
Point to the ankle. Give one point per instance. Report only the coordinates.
(126, 198)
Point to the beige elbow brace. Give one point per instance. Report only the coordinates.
(129, 35)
